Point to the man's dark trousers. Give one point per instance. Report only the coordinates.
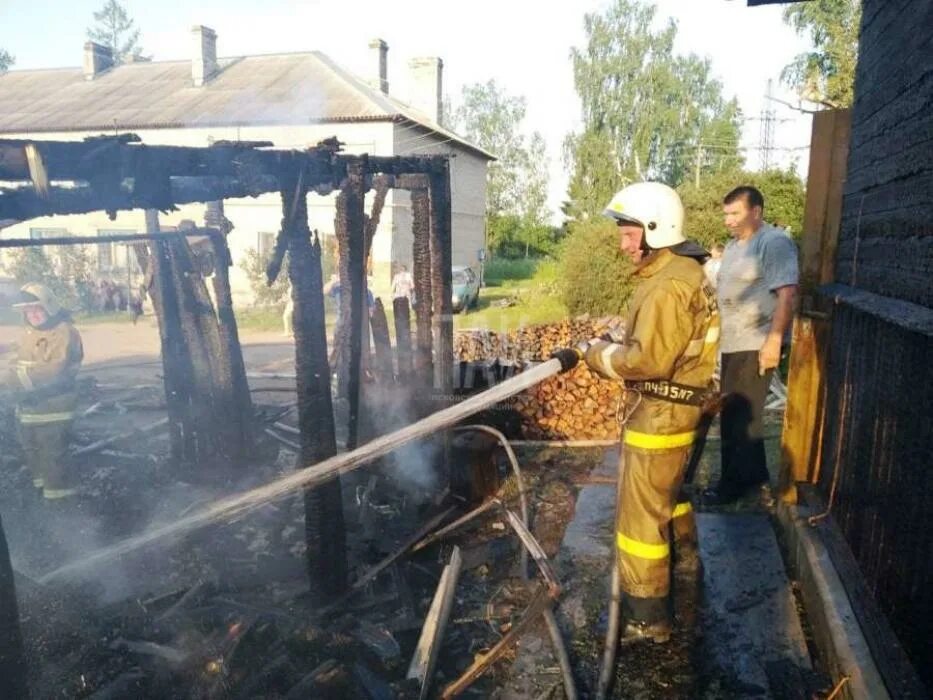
(743, 448)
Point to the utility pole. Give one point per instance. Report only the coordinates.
(696, 176)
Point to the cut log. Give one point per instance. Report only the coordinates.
(425, 658)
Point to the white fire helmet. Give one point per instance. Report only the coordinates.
(34, 294)
(655, 207)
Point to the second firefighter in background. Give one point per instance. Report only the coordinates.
(666, 361)
(43, 380)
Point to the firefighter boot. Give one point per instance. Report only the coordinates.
(646, 620)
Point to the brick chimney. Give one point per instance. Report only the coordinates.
(204, 56)
(97, 59)
(427, 86)
(380, 53)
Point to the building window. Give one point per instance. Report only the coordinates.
(36, 233)
(265, 244)
(104, 256)
(114, 256)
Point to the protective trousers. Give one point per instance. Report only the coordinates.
(44, 432)
(651, 512)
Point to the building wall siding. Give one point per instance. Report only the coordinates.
(876, 445)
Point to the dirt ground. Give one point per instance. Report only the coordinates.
(230, 598)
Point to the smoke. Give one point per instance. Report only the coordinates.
(415, 467)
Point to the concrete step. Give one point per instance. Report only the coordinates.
(753, 641)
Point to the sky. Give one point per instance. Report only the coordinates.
(523, 44)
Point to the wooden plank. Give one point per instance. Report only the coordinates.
(539, 603)
(903, 314)
(803, 417)
(429, 644)
(836, 633)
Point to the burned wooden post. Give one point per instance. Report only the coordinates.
(324, 524)
(208, 402)
(382, 343)
(351, 251)
(421, 274)
(402, 317)
(232, 352)
(441, 279)
(12, 659)
(178, 375)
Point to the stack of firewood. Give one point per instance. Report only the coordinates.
(578, 405)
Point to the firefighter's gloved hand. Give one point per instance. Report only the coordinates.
(568, 357)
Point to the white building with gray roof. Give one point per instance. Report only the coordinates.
(294, 100)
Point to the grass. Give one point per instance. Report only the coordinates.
(260, 318)
(532, 287)
(499, 270)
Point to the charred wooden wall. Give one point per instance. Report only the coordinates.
(879, 435)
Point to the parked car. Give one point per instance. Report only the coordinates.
(465, 288)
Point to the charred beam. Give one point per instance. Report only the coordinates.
(382, 343)
(176, 364)
(324, 522)
(441, 280)
(23, 203)
(351, 254)
(421, 275)
(86, 160)
(231, 357)
(83, 160)
(12, 659)
(96, 240)
(402, 318)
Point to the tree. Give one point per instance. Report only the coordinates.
(647, 113)
(254, 265)
(516, 193)
(66, 272)
(115, 29)
(827, 73)
(784, 202)
(6, 60)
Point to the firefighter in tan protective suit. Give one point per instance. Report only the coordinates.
(666, 361)
(43, 381)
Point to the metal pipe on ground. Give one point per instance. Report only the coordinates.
(238, 505)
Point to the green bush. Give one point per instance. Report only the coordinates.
(255, 268)
(67, 273)
(595, 276)
(784, 202)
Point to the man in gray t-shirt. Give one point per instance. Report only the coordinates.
(750, 275)
(757, 282)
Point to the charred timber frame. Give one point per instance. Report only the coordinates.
(113, 173)
(421, 276)
(324, 523)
